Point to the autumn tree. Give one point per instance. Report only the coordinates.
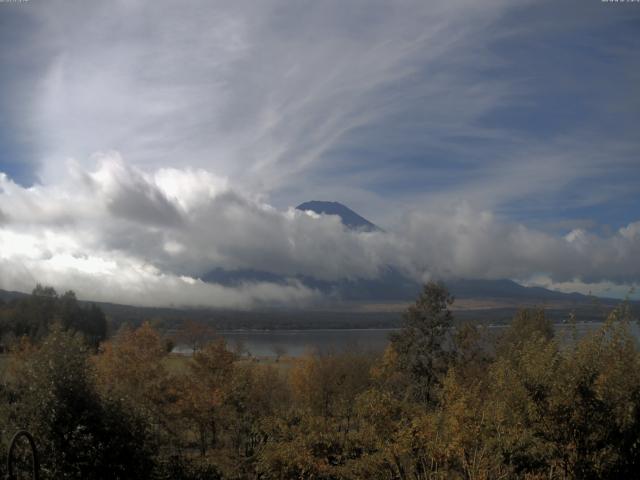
(318, 437)
(474, 348)
(204, 390)
(569, 411)
(527, 324)
(131, 372)
(257, 396)
(195, 334)
(327, 384)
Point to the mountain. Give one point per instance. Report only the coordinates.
(233, 278)
(349, 218)
(391, 285)
(508, 289)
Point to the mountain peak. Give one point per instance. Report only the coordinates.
(348, 217)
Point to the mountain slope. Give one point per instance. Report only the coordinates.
(7, 296)
(349, 218)
(391, 285)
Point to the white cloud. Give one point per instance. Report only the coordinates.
(603, 289)
(120, 234)
(129, 281)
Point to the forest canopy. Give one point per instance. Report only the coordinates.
(439, 402)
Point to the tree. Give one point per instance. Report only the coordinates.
(319, 437)
(89, 320)
(195, 334)
(526, 325)
(569, 411)
(474, 351)
(423, 345)
(79, 435)
(279, 351)
(33, 316)
(203, 390)
(131, 373)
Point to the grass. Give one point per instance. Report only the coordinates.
(177, 363)
(4, 361)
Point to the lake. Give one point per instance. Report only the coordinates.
(294, 343)
(265, 343)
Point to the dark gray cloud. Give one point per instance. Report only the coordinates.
(128, 195)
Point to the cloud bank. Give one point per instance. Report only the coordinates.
(118, 233)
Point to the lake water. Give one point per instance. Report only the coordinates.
(294, 343)
(265, 343)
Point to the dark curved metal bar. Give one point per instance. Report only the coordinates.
(34, 455)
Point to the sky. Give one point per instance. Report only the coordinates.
(145, 143)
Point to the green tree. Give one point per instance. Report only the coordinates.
(79, 436)
(423, 345)
(528, 323)
(88, 320)
(33, 316)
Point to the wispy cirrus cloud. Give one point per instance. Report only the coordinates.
(285, 98)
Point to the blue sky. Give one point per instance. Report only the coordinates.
(526, 111)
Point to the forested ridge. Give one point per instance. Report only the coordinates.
(440, 402)
(32, 317)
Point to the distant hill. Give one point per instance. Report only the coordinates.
(233, 278)
(349, 218)
(347, 315)
(392, 286)
(7, 296)
(508, 289)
